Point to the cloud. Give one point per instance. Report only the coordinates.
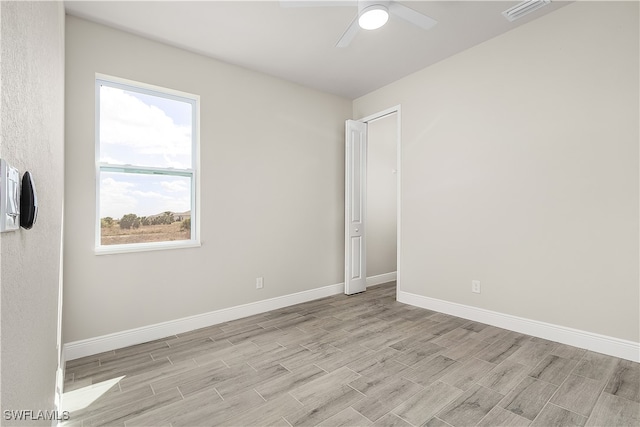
(175, 186)
(141, 134)
(115, 198)
(150, 195)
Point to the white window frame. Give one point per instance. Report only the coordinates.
(193, 172)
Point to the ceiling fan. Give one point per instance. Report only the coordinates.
(372, 14)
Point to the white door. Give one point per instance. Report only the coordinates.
(355, 254)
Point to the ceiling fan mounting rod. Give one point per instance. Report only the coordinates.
(365, 4)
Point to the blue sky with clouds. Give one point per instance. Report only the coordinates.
(144, 130)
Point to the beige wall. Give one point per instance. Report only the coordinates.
(520, 169)
(272, 167)
(32, 138)
(381, 195)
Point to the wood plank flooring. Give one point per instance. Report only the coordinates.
(362, 360)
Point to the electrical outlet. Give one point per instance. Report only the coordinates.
(259, 282)
(475, 286)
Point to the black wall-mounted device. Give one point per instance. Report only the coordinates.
(28, 202)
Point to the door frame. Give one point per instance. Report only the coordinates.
(372, 118)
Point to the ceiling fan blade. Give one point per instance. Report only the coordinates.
(349, 34)
(411, 16)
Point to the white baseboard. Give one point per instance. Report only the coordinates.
(381, 278)
(599, 343)
(91, 346)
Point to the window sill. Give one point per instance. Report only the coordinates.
(146, 247)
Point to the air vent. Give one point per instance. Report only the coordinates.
(524, 8)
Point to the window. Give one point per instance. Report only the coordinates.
(146, 158)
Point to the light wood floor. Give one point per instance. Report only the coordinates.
(355, 361)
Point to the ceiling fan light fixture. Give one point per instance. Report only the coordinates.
(373, 17)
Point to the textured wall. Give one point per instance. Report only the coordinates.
(520, 169)
(272, 185)
(32, 138)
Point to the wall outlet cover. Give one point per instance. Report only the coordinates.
(475, 286)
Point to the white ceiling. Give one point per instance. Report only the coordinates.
(298, 44)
